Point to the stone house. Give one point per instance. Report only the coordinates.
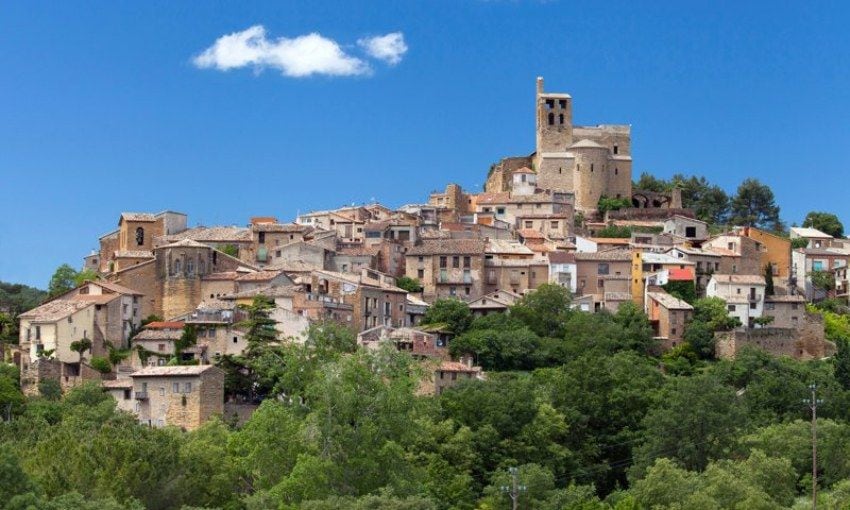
(267, 239)
(787, 311)
(451, 373)
(373, 296)
(815, 237)
(739, 254)
(512, 266)
(777, 253)
(178, 396)
(669, 316)
(563, 271)
(744, 295)
(688, 229)
(221, 238)
(448, 267)
(606, 276)
(416, 309)
(157, 341)
(101, 312)
(705, 262)
(420, 344)
(805, 261)
(133, 241)
(498, 301)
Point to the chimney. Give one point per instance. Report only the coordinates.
(539, 85)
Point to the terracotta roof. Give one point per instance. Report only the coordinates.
(359, 251)
(114, 287)
(668, 301)
(259, 276)
(117, 384)
(744, 279)
(183, 370)
(267, 291)
(136, 216)
(612, 255)
(133, 254)
(561, 257)
(285, 228)
(294, 266)
(530, 233)
(611, 240)
(55, 310)
(449, 247)
(221, 276)
(212, 234)
(183, 243)
(502, 246)
(677, 274)
(809, 233)
(98, 299)
(492, 198)
(164, 325)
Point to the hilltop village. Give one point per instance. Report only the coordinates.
(377, 271)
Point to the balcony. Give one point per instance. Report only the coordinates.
(141, 395)
(754, 298)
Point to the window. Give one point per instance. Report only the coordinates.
(177, 267)
(690, 231)
(616, 150)
(140, 236)
(529, 224)
(467, 261)
(162, 391)
(731, 308)
(562, 103)
(455, 262)
(551, 119)
(235, 339)
(616, 170)
(420, 274)
(553, 224)
(421, 259)
(466, 290)
(591, 167)
(443, 262)
(561, 119)
(500, 210)
(38, 332)
(602, 269)
(600, 283)
(190, 266)
(187, 387)
(453, 291)
(581, 284)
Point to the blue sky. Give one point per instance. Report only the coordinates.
(103, 109)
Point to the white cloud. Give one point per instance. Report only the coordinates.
(298, 57)
(389, 48)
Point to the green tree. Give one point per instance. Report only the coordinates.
(828, 223)
(823, 281)
(259, 326)
(841, 363)
(228, 249)
(799, 243)
(544, 310)
(101, 364)
(614, 231)
(409, 284)
(453, 314)
(86, 275)
(769, 289)
(648, 182)
(188, 338)
(62, 281)
(696, 423)
(754, 205)
(606, 204)
(81, 346)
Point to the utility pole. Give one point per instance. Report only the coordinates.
(813, 403)
(514, 489)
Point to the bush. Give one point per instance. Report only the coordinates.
(101, 364)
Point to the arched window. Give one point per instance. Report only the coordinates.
(201, 265)
(561, 119)
(177, 267)
(140, 236)
(190, 266)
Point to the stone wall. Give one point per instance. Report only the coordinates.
(804, 342)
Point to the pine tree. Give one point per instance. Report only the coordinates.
(259, 326)
(768, 280)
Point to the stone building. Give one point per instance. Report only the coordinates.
(606, 277)
(101, 312)
(178, 396)
(739, 254)
(172, 282)
(373, 296)
(804, 342)
(512, 266)
(669, 316)
(495, 302)
(777, 253)
(132, 243)
(451, 373)
(744, 295)
(448, 267)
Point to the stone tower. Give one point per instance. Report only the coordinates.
(554, 120)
